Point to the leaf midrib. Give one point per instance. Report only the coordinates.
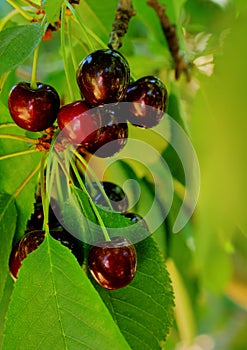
(55, 295)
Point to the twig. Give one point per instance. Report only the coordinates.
(124, 12)
(169, 30)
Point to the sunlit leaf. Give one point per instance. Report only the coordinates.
(17, 44)
(8, 217)
(144, 309)
(4, 303)
(55, 306)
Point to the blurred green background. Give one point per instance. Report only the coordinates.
(217, 122)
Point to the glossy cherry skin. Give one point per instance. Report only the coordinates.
(148, 97)
(30, 242)
(32, 239)
(14, 262)
(93, 128)
(103, 77)
(33, 109)
(26, 245)
(113, 263)
(80, 123)
(113, 134)
(115, 193)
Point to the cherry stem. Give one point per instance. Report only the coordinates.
(92, 34)
(44, 24)
(44, 197)
(63, 46)
(95, 37)
(81, 43)
(33, 83)
(17, 154)
(83, 28)
(18, 138)
(95, 178)
(71, 44)
(30, 3)
(94, 207)
(8, 18)
(20, 10)
(7, 125)
(25, 182)
(52, 176)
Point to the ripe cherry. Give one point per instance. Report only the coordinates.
(113, 134)
(113, 263)
(30, 242)
(103, 77)
(57, 231)
(14, 262)
(26, 245)
(33, 109)
(115, 193)
(92, 129)
(149, 97)
(32, 239)
(80, 123)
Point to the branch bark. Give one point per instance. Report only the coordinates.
(124, 12)
(169, 31)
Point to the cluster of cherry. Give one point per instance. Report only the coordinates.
(99, 121)
(98, 124)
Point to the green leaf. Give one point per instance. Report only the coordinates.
(54, 306)
(16, 181)
(52, 9)
(7, 229)
(17, 44)
(144, 309)
(9, 285)
(80, 220)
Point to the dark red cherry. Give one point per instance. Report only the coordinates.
(103, 77)
(113, 134)
(113, 263)
(33, 109)
(32, 239)
(93, 128)
(80, 123)
(57, 230)
(30, 242)
(14, 262)
(115, 193)
(148, 97)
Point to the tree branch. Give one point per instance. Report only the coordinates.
(169, 31)
(124, 12)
